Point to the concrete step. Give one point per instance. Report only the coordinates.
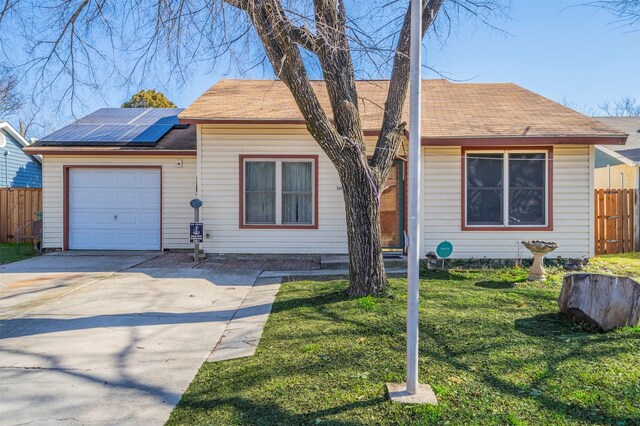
(342, 261)
(338, 272)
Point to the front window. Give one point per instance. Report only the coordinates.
(279, 192)
(506, 188)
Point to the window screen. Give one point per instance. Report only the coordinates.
(260, 192)
(527, 189)
(524, 197)
(484, 189)
(297, 201)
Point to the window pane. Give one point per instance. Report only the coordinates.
(296, 177)
(484, 170)
(260, 176)
(297, 182)
(484, 189)
(296, 208)
(526, 170)
(484, 207)
(527, 179)
(526, 207)
(260, 194)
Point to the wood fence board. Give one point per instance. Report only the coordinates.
(17, 208)
(615, 216)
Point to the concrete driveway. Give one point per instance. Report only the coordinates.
(91, 339)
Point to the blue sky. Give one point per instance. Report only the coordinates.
(558, 48)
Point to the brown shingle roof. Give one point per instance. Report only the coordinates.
(450, 110)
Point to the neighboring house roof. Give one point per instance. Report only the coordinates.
(16, 136)
(113, 130)
(449, 110)
(628, 153)
(17, 169)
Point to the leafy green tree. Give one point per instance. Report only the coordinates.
(148, 99)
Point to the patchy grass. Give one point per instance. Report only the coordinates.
(627, 264)
(9, 252)
(493, 346)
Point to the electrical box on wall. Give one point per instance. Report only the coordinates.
(178, 163)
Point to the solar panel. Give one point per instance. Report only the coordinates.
(158, 116)
(117, 126)
(109, 132)
(71, 133)
(112, 116)
(152, 133)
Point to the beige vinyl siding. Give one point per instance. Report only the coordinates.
(178, 188)
(572, 218)
(221, 147)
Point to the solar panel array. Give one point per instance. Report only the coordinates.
(116, 126)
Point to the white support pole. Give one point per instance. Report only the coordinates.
(413, 392)
(415, 92)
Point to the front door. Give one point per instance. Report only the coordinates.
(392, 208)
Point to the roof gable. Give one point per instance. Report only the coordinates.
(16, 138)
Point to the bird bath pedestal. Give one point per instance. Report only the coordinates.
(538, 249)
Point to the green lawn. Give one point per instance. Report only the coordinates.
(9, 252)
(493, 346)
(627, 264)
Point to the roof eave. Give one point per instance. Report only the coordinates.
(61, 150)
(524, 140)
(192, 120)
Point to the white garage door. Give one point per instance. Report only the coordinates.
(114, 209)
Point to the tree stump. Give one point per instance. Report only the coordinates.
(603, 300)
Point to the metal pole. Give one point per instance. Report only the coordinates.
(196, 250)
(415, 86)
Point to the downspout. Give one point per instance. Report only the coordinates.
(6, 170)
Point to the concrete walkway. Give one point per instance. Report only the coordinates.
(96, 340)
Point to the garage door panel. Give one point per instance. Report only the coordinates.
(114, 209)
(131, 221)
(149, 197)
(88, 197)
(150, 219)
(130, 197)
(90, 219)
(127, 198)
(91, 178)
(91, 240)
(145, 240)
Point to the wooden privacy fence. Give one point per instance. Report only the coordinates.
(615, 220)
(18, 206)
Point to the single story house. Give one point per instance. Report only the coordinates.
(617, 165)
(17, 169)
(500, 164)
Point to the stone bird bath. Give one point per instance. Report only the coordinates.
(538, 249)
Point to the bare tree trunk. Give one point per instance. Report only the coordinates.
(342, 138)
(366, 266)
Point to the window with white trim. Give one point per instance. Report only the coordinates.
(506, 188)
(279, 192)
